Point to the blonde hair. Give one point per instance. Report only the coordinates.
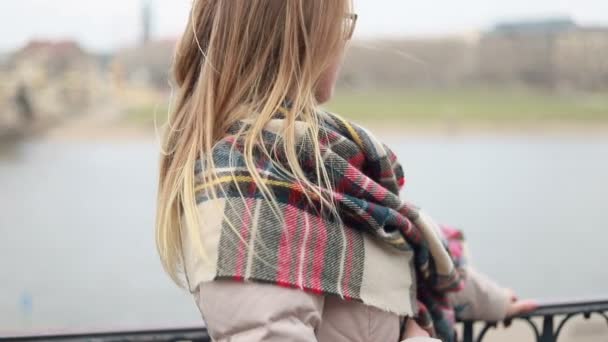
(242, 59)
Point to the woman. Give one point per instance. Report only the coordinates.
(285, 221)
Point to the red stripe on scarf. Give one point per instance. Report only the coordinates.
(318, 254)
(357, 160)
(285, 250)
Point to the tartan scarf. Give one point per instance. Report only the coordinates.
(381, 251)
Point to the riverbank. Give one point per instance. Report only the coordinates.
(496, 105)
(87, 129)
(387, 112)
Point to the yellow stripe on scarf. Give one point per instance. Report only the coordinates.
(352, 132)
(245, 179)
(397, 241)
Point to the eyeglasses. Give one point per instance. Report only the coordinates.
(350, 23)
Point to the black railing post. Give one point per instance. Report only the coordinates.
(468, 331)
(547, 334)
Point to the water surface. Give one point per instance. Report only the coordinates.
(76, 225)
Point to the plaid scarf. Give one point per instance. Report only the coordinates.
(381, 251)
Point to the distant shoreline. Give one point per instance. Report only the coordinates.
(114, 132)
(480, 129)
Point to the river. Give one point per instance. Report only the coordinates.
(77, 241)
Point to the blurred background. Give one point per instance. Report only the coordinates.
(498, 111)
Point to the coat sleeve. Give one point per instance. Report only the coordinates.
(254, 312)
(480, 299)
(264, 313)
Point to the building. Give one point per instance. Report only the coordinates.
(543, 26)
(146, 66)
(552, 53)
(61, 78)
(581, 58)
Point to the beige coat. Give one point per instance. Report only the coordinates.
(253, 312)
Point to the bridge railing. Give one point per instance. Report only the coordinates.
(185, 334)
(553, 318)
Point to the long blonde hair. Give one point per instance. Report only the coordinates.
(238, 58)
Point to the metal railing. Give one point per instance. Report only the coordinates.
(554, 317)
(192, 334)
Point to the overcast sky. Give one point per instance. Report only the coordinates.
(108, 24)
